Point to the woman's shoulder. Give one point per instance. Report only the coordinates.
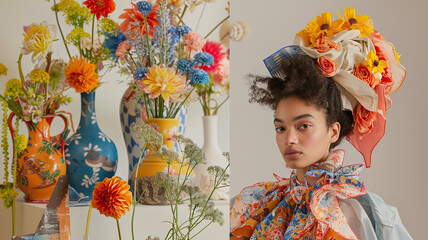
(371, 218)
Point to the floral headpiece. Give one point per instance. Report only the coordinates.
(364, 66)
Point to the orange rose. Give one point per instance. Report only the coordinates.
(363, 73)
(327, 66)
(364, 120)
(323, 44)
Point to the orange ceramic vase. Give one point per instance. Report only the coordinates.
(41, 163)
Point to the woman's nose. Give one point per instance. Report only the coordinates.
(291, 137)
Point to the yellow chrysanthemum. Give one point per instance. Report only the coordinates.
(163, 81)
(362, 23)
(397, 55)
(37, 39)
(76, 34)
(321, 25)
(3, 70)
(20, 143)
(13, 89)
(374, 64)
(39, 76)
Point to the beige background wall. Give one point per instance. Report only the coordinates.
(399, 161)
(14, 14)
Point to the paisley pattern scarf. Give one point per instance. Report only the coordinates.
(286, 209)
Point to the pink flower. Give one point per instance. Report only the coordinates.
(223, 70)
(123, 49)
(193, 41)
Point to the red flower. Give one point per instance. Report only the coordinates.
(100, 7)
(216, 50)
(364, 120)
(133, 15)
(363, 73)
(327, 66)
(112, 197)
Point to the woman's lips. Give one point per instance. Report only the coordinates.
(292, 154)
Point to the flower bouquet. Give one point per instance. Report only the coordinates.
(34, 99)
(91, 155)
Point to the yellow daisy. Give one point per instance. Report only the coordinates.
(163, 81)
(362, 23)
(374, 64)
(322, 25)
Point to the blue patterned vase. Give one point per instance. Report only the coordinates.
(91, 156)
(132, 111)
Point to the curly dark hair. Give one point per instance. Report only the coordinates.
(305, 81)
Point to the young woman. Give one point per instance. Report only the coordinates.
(328, 86)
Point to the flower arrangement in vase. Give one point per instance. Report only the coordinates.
(35, 99)
(90, 154)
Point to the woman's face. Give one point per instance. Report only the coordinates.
(302, 134)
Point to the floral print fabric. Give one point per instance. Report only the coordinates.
(286, 209)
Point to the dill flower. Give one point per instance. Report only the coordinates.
(140, 73)
(20, 143)
(362, 23)
(146, 134)
(163, 81)
(108, 25)
(76, 35)
(37, 39)
(112, 197)
(100, 7)
(39, 76)
(184, 65)
(80, 75)
(374, 64)
(3, 70)
(8, 194)
(199, 76)
(13, 89)
(75, 14)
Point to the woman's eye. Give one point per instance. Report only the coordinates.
(305, 126)
(279, 129)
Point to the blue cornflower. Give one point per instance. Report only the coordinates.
(112, 42)
(140, 73)
(199, 76)
(144, 7)
(184, 65)
(203, 59)
(173, 36)
(183, 29)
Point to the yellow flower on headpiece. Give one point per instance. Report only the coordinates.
(322, 25)
(37, 39)
(362, 23)
(163, 81)
(13, 89)
(3, 70)
(374, 64)
(39, 76)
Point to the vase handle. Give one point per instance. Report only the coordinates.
(58, 138)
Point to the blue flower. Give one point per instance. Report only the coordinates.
(112, 42)
(144, 7)
(183, 30)
(184, 65)
(140, 73)
(203, 59)
(199, 76)
(173, 36)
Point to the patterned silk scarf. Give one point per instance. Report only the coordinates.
(286, 209)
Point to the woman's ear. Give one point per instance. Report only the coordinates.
(334, 132)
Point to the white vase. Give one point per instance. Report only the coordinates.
(214, 157)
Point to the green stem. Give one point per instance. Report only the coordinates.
(21, 75)
(215, 111)
(118, 229)
(218, 25)
(201, 229)
(92, 38)
(182, 14)
(147, 39)
(200, 17)
(13, 217)
(60, 30)
(88, 220)
(181, 104)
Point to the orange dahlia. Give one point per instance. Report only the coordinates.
(112, 197)
(80, 75)
(134, 21)
(100, 7)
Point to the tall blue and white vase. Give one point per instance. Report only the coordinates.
(91, 156)
(132, 110)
